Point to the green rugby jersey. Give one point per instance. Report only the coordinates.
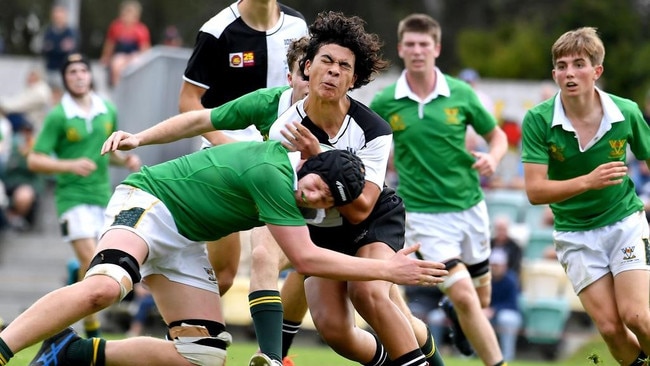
(225, 189)
(432, 162)
(549, 139)
(69, 133)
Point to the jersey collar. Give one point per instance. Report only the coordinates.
(72, 110)
(611, 113)
(402, 89)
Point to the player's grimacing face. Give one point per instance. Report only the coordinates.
(331, 72)
(313, 192)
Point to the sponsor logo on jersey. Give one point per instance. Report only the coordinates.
(618, 149)
(242, 59)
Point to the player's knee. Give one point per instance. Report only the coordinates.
(118, 265)
(201, 342)
(371, 293)
(261, 256)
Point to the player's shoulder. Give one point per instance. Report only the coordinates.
(368, 119)
(218, 23)
(291, 12)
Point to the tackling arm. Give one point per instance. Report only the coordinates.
(311, 260)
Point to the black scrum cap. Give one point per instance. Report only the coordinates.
(342, 171)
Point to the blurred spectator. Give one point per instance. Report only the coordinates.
(29, 105)
(548, 90)
(472, 77)
(510, 171)
(502, 240)
(172, 37)
(22, 186)
(126, 39)
(503, 312)
(5, 145)
(142, 306)
(59, 40)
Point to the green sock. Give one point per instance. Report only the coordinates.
(87, 352)
(5, 353)
(266, 310)
(431, 352)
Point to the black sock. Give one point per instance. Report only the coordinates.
(380, 355)
(414, 358)
(5, 353)
(501, 363)
(289, 331)
(87, 352)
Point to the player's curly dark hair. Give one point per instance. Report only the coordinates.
(335, 28)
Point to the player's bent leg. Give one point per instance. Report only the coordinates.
(333, 317)
(599, 302)
(372, 300)
(425, 339)
(70, 304)
(195, 321)
(264, 297)
(473, 321)
(482, 280)
(224, 257)
(84, 250)
(632, 303)
(295, 307)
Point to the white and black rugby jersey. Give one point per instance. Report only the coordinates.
(362, 132)
(231, 59)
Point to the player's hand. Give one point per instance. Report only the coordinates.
(608, 174)
(411, 271)
(485, 163)
(120, 140)
(82, 166)
(299, 138)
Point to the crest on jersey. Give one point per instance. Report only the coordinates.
(618, 148)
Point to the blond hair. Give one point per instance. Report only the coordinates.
(582, 41)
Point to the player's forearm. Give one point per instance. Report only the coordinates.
(45, 164)
(551, 191)
(497, 143)
(185, 125)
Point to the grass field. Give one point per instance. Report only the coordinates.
(239, 353)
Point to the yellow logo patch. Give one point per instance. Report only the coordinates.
(557, 152)
(452, 116)
(396, 122)
(618, 149)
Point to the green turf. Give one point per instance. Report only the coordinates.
(315, 355)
